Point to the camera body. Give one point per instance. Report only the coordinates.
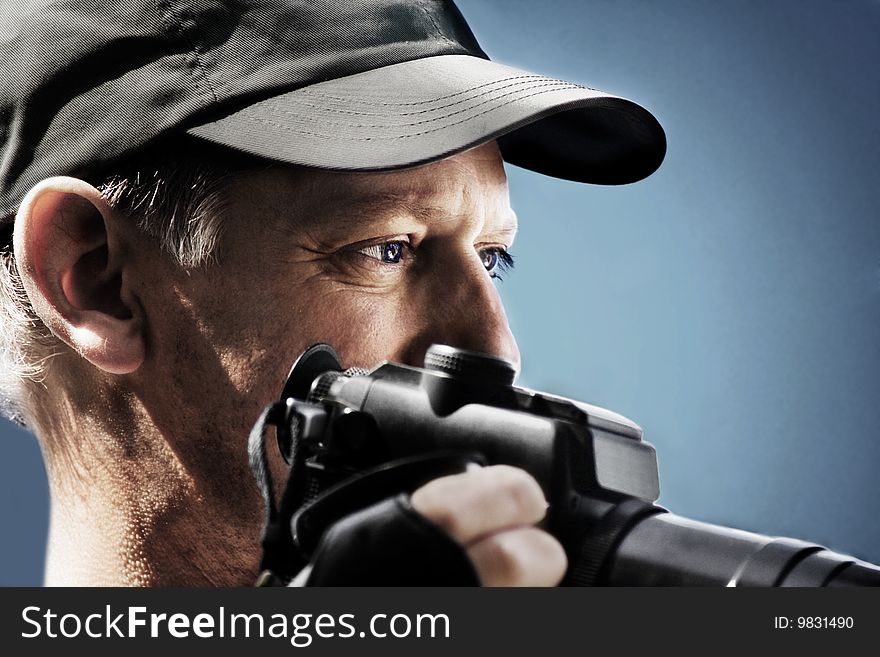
(354, 437)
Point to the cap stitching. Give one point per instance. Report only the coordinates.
(311, 91)
(521, 85)
(560, 87)
(437, 31)
(337, 136)
(164, 9)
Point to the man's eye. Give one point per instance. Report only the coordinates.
(390, 252)
(497, 261)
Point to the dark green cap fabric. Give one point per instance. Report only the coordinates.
(349, 85)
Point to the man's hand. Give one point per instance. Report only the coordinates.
(491, 512)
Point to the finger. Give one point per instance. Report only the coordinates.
(475, 504)
(525, 556)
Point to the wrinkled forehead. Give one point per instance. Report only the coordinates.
(470, 183)
(458, 184)
(479, 171)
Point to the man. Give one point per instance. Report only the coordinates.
(194, 193)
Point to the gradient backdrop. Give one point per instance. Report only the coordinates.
(730, 304)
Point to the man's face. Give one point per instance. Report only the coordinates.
(379, 266)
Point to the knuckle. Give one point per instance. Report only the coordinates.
(523, 557)
(522, 490)
(507, 562)
(554, 560)
(447, 518)
(474, 504)
(439, 502)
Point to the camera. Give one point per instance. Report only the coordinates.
(353, 437)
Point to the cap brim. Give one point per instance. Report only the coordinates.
(423, 110)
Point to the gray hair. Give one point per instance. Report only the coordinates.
(174, 194)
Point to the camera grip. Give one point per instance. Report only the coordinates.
(361, 490)
(390, 544)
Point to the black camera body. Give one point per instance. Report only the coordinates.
(354, 437)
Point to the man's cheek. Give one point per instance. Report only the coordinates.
(377, 330)
(363, 327)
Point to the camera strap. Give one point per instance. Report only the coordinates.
(368, 514)
(281, 558)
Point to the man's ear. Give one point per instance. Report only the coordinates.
(70, 256)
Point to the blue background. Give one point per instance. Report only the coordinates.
(730, 304)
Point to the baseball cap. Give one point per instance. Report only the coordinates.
(348, 85)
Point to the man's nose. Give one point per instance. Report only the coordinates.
(463, 309)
